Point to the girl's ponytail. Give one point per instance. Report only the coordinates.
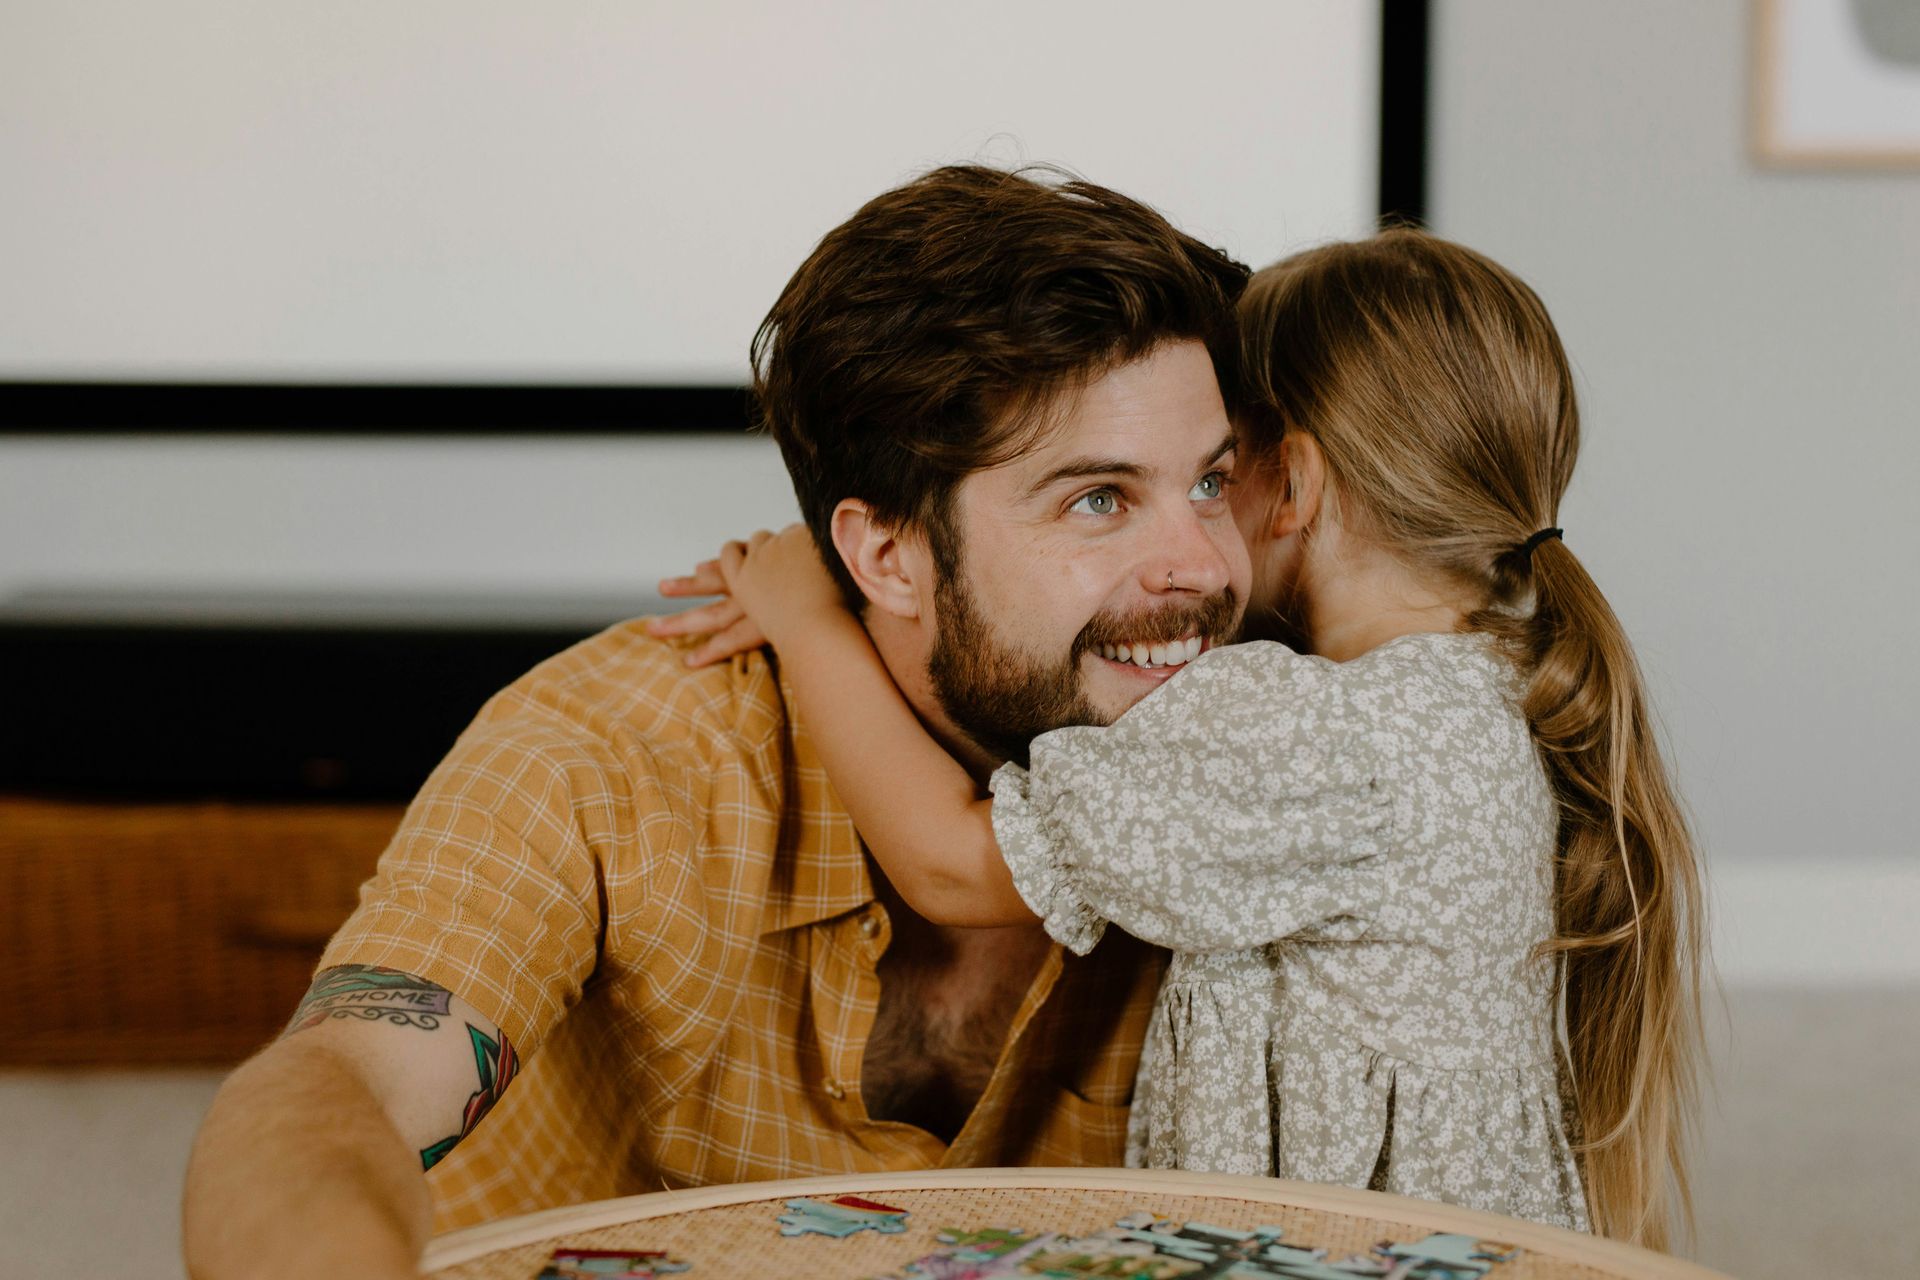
(1627, 898)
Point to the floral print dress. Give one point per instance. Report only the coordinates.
(1352, 864)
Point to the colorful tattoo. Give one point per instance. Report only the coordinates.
(387, 995)
(372, 995)
(497, 1065)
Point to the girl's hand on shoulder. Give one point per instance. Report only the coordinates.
(728, 630)
(783, 577)
(780, 580)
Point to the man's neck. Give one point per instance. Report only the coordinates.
(903, 646)
(972, 956)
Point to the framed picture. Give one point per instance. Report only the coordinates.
(1836, 84)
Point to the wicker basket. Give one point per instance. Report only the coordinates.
(734, 1231)
(168, 933)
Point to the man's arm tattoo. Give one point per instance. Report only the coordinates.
(497, 1065)
(372, 995)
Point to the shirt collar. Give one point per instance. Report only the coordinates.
(820, 867)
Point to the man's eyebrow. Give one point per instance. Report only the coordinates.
(1078, 467)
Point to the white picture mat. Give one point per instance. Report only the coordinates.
(492, 191)
(1823, 90)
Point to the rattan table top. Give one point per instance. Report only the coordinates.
(734, 1230)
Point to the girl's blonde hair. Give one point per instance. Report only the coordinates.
(1443, 404)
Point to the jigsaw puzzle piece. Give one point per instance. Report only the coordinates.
(841, 1217)
(1449, 1256)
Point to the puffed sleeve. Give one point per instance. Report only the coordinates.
(1237, 804)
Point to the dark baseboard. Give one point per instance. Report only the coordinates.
(189, 696)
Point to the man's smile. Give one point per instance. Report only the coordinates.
(1145, 648)
(1156, 654)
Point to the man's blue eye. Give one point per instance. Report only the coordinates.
(1211, 486)
(1101, 502)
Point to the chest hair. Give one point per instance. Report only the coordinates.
(936, 1038)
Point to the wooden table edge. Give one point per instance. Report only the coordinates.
(465, 1245)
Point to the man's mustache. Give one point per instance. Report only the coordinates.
(1213, 617)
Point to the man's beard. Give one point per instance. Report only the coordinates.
(1003, 698)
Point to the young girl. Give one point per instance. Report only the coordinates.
(1432, 905)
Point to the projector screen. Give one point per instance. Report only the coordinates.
(603, 193)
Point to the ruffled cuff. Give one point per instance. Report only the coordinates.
(1033, 853)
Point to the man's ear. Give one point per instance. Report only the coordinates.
(1303, 480)
(885, 566)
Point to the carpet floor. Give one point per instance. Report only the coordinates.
(1809, 1157)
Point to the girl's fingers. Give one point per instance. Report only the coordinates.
(732, 556)
(705, 580)
(707, 618)
(742, 637)
(709, 578)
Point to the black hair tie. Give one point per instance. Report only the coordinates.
(1526, 548)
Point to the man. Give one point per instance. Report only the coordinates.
(999, 400)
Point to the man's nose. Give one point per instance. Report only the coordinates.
(1186, 561)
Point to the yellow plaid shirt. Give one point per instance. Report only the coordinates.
(642, 875)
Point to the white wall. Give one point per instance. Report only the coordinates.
(1748, 343)
(578, 516)
(492, 190)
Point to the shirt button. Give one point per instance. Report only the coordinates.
(835, 1091)
(869, 927)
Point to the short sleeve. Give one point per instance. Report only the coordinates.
(1237, 804)
(489, 886)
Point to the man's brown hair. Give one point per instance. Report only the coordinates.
(926, 337)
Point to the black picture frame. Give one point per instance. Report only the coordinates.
(1405, 56)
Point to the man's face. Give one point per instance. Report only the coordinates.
(1066, 552)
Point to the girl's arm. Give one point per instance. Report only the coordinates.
(1241, 802)
(915, 806)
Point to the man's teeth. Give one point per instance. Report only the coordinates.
(1171, 653)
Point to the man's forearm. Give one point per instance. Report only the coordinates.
(298, 1172)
